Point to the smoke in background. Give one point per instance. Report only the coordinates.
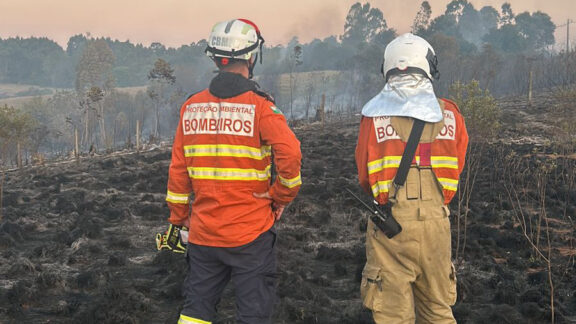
(178, 22)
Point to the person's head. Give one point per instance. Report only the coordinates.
(410, 54)
(234, 45)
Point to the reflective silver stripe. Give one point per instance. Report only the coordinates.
(381, 187)
(290, 183)
(228, 150)
(448, 162)
(177, 198)
(449, 184)
(229, 173)
(190, 320)
(385, 162)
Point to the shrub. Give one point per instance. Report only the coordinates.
(480, 110)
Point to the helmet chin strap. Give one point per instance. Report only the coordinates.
(251, 66)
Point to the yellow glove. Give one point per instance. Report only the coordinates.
(175, 239)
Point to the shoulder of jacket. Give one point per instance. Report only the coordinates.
(264, 95)
(195, 93)
(450, 104)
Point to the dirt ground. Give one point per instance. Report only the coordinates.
(77, 241)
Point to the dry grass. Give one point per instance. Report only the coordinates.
(19, 101)
(13, 89)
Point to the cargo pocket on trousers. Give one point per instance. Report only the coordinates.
(452, 294)
(371, 287)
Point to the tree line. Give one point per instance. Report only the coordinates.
(41, 61)
(498, 48)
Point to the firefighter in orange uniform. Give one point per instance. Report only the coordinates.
(222, 156)
(410, 278)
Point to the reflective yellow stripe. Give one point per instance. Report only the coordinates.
(229, 173)
(381, 187)
(190, 320)
(228, 150)
(290, 183)
(447, 162)
(385, 162)
(177, 198)
(449, 184)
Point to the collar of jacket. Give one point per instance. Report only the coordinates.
(228, 85)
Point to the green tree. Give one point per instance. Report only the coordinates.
(489, 18)
(95, 98)
(456, 8)
(507, 16)
(15, 130)
(529, 32)
(160, 89)
(470, 24)
(157, 48)
(365, 24)
(537, 29)
(295, 59)
(94, 80)
(41, 133)
(460, 21)
(444, 24)
(507, 38)
(60, 113)
(449, 59)
(486, 66)
(30, 61)
(95, 66)
(465, 24)
(75, 45)
(422, 19)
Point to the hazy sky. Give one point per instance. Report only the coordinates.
(177, 22)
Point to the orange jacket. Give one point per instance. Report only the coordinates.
(222, 154)
(380, 150)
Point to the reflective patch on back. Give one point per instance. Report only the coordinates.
(384, 130)
(219, 118)
(448, 132)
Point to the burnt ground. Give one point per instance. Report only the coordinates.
(77, 240)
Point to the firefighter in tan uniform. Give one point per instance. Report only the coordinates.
(410, 278)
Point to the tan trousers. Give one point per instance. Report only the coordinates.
(410, 278)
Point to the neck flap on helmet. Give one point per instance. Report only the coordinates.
(406, 95)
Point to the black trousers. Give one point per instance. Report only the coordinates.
(252, 268)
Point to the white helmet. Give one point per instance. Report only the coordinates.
(409, 53)
(236, 39)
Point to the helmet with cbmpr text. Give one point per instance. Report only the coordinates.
(237, 39)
